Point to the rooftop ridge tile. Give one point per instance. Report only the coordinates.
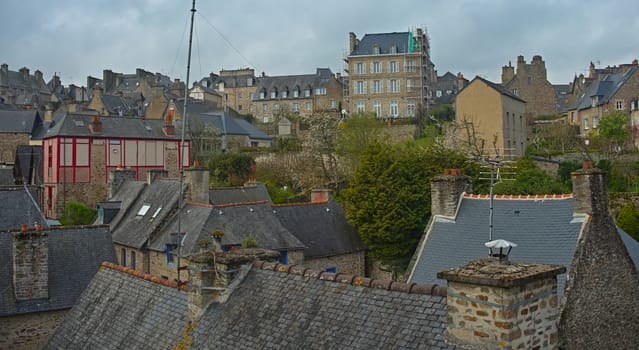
(301, 204)
(360, 281)
(238, 204)
(518, 197)
(141, 275)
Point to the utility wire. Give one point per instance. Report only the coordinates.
(227, 41)
(177, 52)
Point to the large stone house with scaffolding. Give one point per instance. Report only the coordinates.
(389, 73)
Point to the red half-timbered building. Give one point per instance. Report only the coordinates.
(80, 149)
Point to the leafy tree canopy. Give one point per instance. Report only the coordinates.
(530, 180)
(230, 169)
(76, 213)
(628, 220)
(388, 200)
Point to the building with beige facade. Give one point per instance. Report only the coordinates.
(486, 113)
(236, 86)
(389, 73)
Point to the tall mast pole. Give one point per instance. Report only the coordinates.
(181, 166)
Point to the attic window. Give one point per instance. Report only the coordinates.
(144, 209)
(156, 213)
(148, 128)
(376, 50)
(78, 122)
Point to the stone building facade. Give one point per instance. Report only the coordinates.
(236, 86)
(353, 263)
(389, 73)
(529, 81)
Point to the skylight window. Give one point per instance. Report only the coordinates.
(156, 212)
(78, 122)
(144, 209)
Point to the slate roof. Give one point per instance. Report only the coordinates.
(121, 310)
(322, 227)
(28, 164)
(232, 125)
(251, 192)
(604, 89)
(384, 41)
(126, 195)
(17, 208)
(237, 221)
(496, 87)
(120, 104)
(321, 78)
(545, 230)
(77, 124)
(561, 93)
(22, 122)
(133, 230)
(273, 307)
(75, 253)
(6, 176)
(16, 80)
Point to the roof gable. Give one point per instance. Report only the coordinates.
(400, 40)
(17, 207)
(23, 122)
(500, 89)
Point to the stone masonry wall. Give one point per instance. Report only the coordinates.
(31, 266)
(29, 331)
(8, 143)
(508, 318)
(352, 263)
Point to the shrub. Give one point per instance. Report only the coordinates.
(76, 213)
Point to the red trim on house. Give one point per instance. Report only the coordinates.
(509, 196)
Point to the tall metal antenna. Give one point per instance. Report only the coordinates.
(496, 176)
(182, 137)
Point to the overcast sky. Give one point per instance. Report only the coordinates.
(476, 37)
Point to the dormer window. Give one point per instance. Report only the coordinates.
(262, 94)
(376, 50)
(285, 93)
(296, 92)
(594, 100)
(393, 49)
(274, 93)
(307, 92)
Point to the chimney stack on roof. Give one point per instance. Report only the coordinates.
(24, 71)
(30, 264)
(95, 125)
(153, 174)
(352, 42)
(117, 177)
(446, 191)
(169, 128)
(197, 179)
(213, 275)
(494, 304)
(320, 195)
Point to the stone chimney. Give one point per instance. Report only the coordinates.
(445, 191)
(320, 195)
(507, 73)
(213, 275)
(197, 179)
(521, 67)
(153, 174)
(48, 112)
(352, 42)
(4, 69)
(601, 291)
(116, 178)
(461, 81)
(24, 71)
(95, 125)
(38, 76)
(30, 264)
(502, 305)
(169, 128)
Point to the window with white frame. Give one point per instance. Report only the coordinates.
(360, 106)
(359, 87)
(392, 67)
(296, 107)
(393, 49)
(359, 68)
(333, 104)
(410, 107)
(411, 66)
(265, 107)
(296, 93)
(619, 106)
(377, 107)
(285, 94)
(393, 108)
(308, 106)
(438, 93)
(262, 95)
(393, 85)
(377, 67)
(320, 91)
(273, 94)
(409, 85)
(377, 87)
(595, 122)
(376, 50)
(586, 126)
(307, 92)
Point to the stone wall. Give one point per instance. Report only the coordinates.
(30, 265)
(617, 200)
(29, 331)
(352, 263)
(445, 192)
(8, 143)
(159, 267)
(141, 259)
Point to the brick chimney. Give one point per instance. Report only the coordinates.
(30, 265)
(502, 305)
(320, 195)
(95, 125)
(213, 275)
(116, 178)
(153, 174)
(169, 128)
(197, 179)
(445, 191)
(601, 291)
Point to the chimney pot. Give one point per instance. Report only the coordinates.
(24, 228)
